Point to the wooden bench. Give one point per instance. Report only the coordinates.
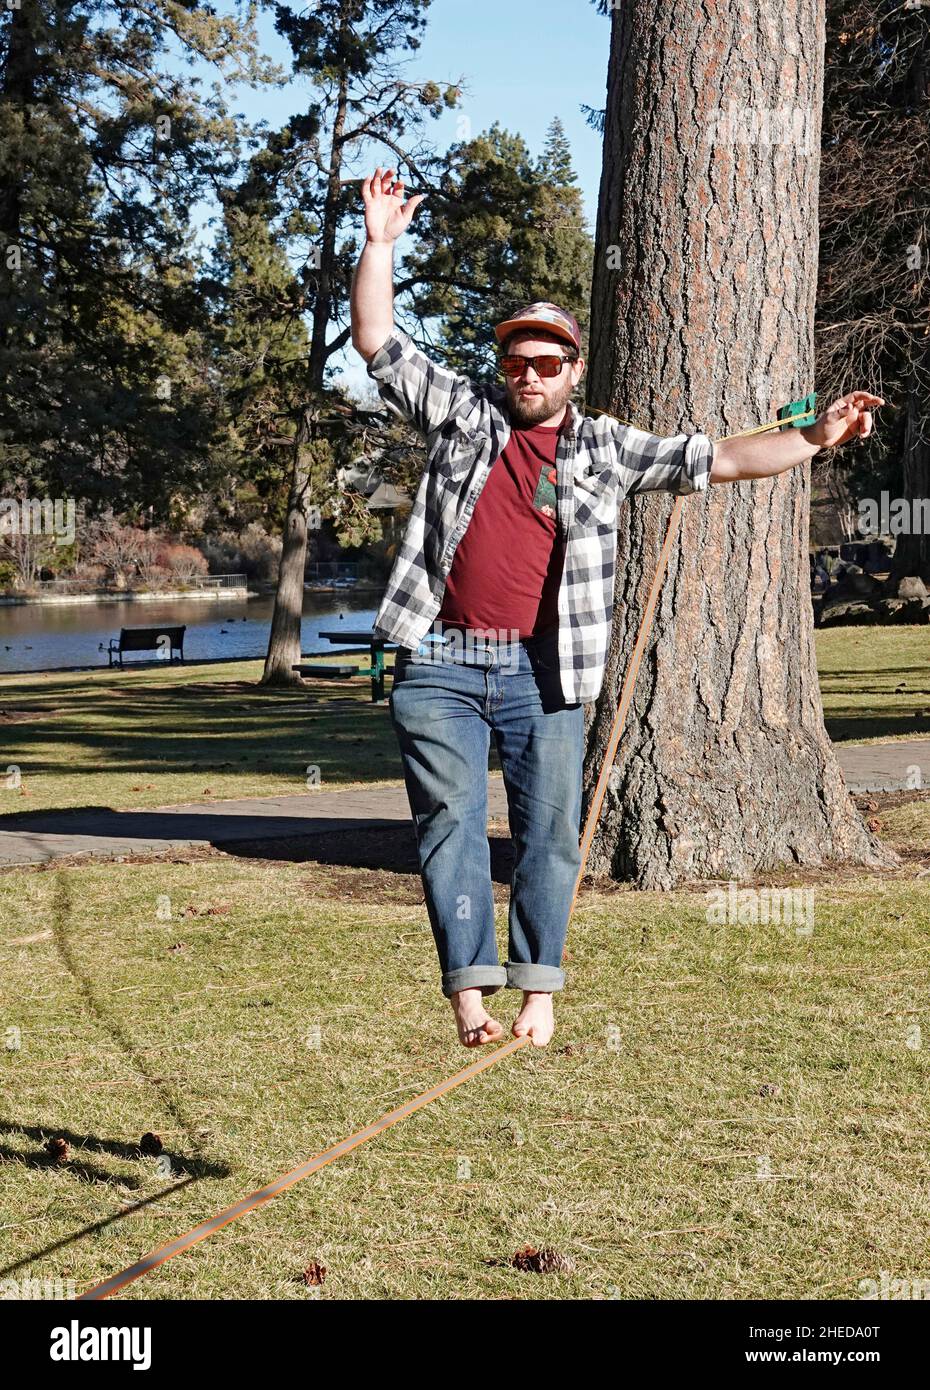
(147, 639)
(342, 671)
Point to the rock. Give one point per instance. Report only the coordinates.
(912, 587)
(847, 613)
(858, 582)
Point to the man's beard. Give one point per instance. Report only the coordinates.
(526, 413)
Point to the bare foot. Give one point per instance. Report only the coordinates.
(535, 1018)
(475, 1024)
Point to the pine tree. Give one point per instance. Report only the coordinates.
(703, 300)
(506, 230)
(103, 149)
(349, 48)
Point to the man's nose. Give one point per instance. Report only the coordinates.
(524, 375)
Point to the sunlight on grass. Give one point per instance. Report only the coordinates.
(875, 682)
(725, 1112)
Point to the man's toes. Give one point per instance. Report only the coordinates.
(479, 1033)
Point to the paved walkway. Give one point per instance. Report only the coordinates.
(37, 836)
(34, 837)
(885, 767)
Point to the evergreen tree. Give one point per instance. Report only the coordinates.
(506, 230)
(104, 147)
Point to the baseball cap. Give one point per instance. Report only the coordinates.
(542, 314)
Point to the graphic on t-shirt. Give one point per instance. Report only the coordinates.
(545, 497)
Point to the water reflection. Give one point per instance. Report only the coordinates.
(42, 637)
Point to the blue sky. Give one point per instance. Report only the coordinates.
(521, 64)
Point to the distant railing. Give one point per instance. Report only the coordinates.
(57, 586)
(332, 569)
(197, 581)
(221, 581)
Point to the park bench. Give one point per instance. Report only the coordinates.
(147, 639)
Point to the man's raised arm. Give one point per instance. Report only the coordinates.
(765, 455)
(371, 300)
(416, 388)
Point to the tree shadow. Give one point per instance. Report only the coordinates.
(94, 1227)
(359, 842)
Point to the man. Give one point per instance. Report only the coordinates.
(509, 556)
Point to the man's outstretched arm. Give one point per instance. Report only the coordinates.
(764, 455)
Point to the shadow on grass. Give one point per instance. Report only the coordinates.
(92, 1143)
(191, 728)
(354, 842)
(61, 919)
(93, 1228)
(850, 726)
(390, 848)
(195, 1168)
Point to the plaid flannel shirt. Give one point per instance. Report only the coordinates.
(599, 463)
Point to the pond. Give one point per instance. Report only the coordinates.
(47, 637)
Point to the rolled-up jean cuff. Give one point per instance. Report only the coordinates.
(542, 979)
(488, 978)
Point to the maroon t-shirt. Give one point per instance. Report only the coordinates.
(508, 565)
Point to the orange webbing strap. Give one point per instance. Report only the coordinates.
(626, 694)
(320, 1160)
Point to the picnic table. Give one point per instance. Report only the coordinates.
(376, 670)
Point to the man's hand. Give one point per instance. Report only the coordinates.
(765, 455)
(848, 418)
(386, 213)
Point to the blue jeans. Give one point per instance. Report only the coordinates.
(443, 709)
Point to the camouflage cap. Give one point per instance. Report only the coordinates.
(542, 315)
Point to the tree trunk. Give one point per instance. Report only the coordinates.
(912, 548)
(703, 303)
(284, 638)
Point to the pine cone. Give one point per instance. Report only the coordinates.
(58, 1149)
(150, 1144)
(314, 1274)
(545, 1261)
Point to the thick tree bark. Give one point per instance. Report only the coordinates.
(705, 321)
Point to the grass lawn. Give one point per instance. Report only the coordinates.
(725, 1112)
(875, 682)
(186, 733)
(159, 737)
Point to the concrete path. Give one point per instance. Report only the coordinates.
(37, 836)
(885, 767)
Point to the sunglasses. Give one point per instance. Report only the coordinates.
(546, 365)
